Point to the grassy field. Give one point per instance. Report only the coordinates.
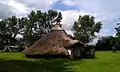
(105, 61)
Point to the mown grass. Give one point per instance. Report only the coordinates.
(105, 61)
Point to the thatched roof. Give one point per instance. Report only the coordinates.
(55, 42)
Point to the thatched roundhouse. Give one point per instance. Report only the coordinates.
(56, 42)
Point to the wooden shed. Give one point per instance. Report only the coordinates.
(76, 50)
(89, 51)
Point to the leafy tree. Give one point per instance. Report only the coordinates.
(85, 28)
(32, 27)
(118, 30)
(8, 31)
(3, 34)
(58, 18)
(13, 29)
(118, 34)
(36, 24)
(106, 43)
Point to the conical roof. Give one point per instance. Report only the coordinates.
(55, 42)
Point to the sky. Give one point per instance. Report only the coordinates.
(106, 11)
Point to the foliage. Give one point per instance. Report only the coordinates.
(106, 43)
(117, 35)
(36, 25)
(85, 28)
(8, 31)
(118, 30)
(32, 27)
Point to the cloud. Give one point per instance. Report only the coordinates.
(68, 20)
(43, 5)
(106, 11)
(23, 7)
(69, 17)
(5, 11)
(99, 6)
(9, 8)
(63, 5)
(20, 8)
(68, 2)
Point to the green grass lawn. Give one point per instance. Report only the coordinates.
(105, 61)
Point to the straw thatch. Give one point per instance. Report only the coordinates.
(55, 42)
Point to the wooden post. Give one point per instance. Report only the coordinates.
(72, 55)
(7, 47)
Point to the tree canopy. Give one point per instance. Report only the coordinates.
(105, 43)
(32, 27)
(85, 28)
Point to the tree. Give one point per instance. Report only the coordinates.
(58, 18)
(13, 29)
(85, 28)
(8, 31)
(3, 34)
(36, 24)
(118, 30)
(118, 34)
(106, 43)
(32, 27)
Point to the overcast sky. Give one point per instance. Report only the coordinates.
(106, 11)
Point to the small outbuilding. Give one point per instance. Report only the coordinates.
(76, 50)
(89, 51)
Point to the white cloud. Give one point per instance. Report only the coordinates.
(43, 5)
(23, 7)
(68, 2)
(52, 2)
(15, 7)
(5, 10)
(70, 16)
(106, 11)
(20, 8)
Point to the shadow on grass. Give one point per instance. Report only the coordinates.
(43, 65)
(116, 52)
